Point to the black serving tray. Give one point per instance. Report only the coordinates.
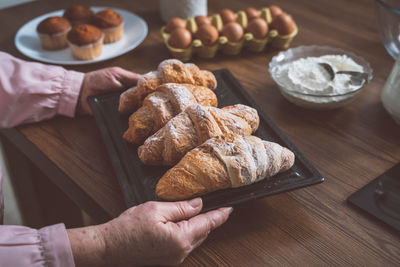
(381, 197)
(138, 181)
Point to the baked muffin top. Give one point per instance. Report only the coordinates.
(84, 34)
(53, 25)
(77, 12)
(107, 18)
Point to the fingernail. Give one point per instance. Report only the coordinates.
(230, 209)
(195, 203)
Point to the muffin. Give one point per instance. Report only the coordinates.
(85, 41)
(78, 14)
(111, 24)
(53, 33)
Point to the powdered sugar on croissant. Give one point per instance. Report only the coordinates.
(129, 100)
(224, 162)
(168, 71)
(162, 105)
(193, 127)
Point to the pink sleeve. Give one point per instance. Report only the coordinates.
(30, 92)
(23, 246)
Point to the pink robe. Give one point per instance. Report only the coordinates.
(31, 92)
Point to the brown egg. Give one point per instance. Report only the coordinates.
(258, 27)
(175, 23)
(227, 15)
(275, 11)
(180, 38)
(201, 20)
(283, 23)
(252, 13)
(208, 34)
(233, 31)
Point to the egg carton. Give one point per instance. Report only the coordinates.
(223, 44)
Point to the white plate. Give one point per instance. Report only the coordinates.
(28, 43)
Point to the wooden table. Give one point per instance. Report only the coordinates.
(350, 146)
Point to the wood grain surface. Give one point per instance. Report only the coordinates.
(350, 146)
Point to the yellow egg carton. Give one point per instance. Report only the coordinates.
(223, 44)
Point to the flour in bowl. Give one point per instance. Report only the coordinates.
(306, 76)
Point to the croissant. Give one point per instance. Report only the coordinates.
(223, 162)
(168, 71)
(194, 126)
(129, 100)
(162, 105)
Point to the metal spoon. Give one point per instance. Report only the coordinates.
(357, 78)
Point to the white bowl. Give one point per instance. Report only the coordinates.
(315, 101)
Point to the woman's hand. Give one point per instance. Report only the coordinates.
(103, 80)
(151, 233)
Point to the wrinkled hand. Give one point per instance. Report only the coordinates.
(101, 81)
(159, 232)
(151, 233)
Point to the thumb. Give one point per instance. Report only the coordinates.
(177, 211)
(200, 226)
(126, 78)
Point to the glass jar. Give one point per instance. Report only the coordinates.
(391, 92)
(182, 8)
(388, 12)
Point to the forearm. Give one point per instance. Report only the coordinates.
(88, 246)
